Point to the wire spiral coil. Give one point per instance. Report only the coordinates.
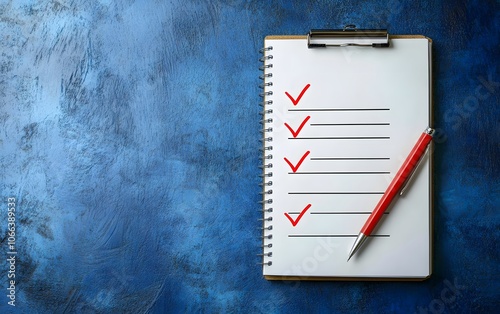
(267, 157)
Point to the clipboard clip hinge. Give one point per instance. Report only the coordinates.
(348, 36)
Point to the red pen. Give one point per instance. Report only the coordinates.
(397, 185)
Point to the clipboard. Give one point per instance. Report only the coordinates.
(341, 108)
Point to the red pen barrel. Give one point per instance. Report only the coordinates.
(397, 183)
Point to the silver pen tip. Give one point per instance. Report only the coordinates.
(360, 239)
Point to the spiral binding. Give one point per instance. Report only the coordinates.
(267, 157)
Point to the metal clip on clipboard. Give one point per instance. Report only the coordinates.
(348, 36)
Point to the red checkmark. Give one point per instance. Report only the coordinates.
(295, 168)
(295, 133)
(296, 221)
(296, 101)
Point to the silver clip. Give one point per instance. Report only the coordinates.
(348, 36)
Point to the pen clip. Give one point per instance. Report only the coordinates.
(408, 180)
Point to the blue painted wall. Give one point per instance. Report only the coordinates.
(129, 138)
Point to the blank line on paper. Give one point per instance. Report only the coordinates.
(343, 213)
(336, 193)
(348, 124)
(341, 172)
(335, 235)
(350, 158)
(342, 138)
(340, 109)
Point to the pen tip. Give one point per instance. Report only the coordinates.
(360, 239)
(350, 255)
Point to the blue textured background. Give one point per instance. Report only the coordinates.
(129, 134)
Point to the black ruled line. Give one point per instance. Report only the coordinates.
(342, 138)
(341, 109)
(337, 193)
(343, 213)
(336, 213)
(335, 236)
(347, 124)
(350, 158)
(341, 172)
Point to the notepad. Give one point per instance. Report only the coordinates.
(338, 123)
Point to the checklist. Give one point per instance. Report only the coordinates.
(338, 122)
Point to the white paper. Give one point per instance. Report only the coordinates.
(367, 107)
